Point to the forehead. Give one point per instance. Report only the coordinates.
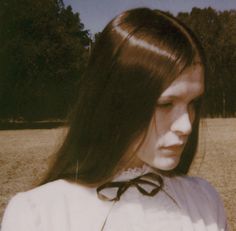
(189, 83)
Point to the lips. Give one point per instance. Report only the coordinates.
(174, 146)
(172, 150)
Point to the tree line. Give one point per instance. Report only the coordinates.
(44, 50)
(217, 33)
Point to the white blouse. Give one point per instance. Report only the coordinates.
(66, 206)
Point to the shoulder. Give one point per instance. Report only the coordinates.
(197, 182)
(195, 191)
(58, 191)
(208, 194)
(197, 188)
(197, 195)
(201, 186)
(57, 188)
(45, 203)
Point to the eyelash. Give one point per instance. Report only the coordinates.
(165, 105)
(194, 102)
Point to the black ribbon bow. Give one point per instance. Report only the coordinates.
(150, 179)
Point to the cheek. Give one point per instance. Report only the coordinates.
(165, 118)
(158, 128)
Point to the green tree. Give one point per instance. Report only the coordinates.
(227, 49)
(216, 31)
(43, 52)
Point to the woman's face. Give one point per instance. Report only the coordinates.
(172, 121)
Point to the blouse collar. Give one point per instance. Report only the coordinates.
(131, 173)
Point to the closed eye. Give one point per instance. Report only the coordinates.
(164, 104)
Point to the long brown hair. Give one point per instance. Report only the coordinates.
(138, 54)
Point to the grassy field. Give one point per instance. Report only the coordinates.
(24, 155)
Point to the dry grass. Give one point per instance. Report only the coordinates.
(24, 155)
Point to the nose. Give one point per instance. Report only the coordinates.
(182, 125)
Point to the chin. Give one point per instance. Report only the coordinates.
(165, 165)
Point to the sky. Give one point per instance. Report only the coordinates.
(95, 14)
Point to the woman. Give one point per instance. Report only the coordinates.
(132, 139)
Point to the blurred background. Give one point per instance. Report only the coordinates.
(44, 49)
